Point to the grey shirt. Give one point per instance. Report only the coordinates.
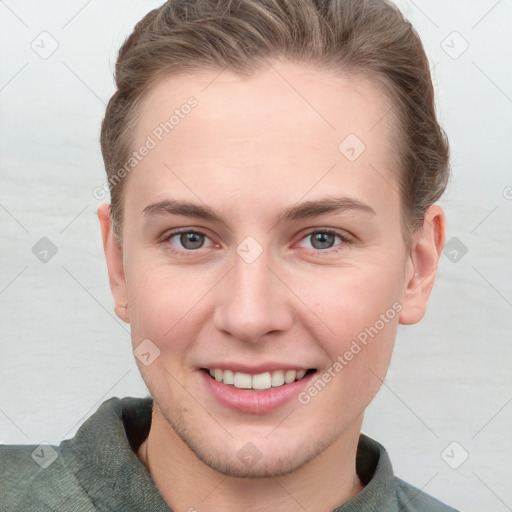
(98, 470)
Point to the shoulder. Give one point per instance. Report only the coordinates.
(31, 476)
(412, 499)
(82, 471)
(383, 490)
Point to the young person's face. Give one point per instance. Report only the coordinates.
(266, 280)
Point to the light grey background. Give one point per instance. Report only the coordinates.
(63, 351)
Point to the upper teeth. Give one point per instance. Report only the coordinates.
(260, 381)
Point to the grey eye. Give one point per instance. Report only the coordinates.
(322, 240)
(191, 240)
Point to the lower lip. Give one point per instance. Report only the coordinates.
(257, 401)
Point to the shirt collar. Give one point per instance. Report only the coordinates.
(102, 457)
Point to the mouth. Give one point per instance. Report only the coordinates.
(257, 382)
(255, 389)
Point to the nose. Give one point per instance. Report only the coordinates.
(252, 302)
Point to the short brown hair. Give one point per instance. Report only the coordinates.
(365, 37)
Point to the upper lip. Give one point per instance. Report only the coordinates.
(255, 369)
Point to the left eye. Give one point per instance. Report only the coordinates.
(319, 240)
(189, 240)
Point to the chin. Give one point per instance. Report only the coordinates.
(230, 465)
(260, 457)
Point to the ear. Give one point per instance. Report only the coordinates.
(421, 266)
(114, 256)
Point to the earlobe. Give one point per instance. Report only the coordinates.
(114, 257)
(428, 242)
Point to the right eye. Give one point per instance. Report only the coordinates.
(188, 240)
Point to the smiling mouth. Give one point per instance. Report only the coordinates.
(261, 381)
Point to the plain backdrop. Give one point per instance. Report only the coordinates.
(444, 412)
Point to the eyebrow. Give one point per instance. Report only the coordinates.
(304, 210)
(310, 209)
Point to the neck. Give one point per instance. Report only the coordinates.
(187, 484)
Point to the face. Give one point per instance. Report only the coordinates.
(262, 245)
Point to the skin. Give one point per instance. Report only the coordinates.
(251, 149)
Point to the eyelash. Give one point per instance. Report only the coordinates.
(345, 240)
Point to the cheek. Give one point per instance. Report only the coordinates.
(359, 354)
(349, 300)
(164, 302)
(358, 309)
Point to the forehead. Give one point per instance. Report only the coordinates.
(327, 104)
(288, 125)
